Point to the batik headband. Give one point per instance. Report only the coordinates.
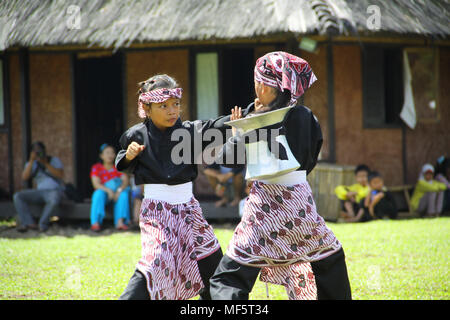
(282, 70)
(160, 95)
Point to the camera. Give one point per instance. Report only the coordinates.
(40, 151)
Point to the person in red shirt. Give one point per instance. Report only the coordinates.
(110, 186)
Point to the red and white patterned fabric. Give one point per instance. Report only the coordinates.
(298, 279)
(283, 70)
(281, 230)
(174, 237)
(160, 95)
(98, 170)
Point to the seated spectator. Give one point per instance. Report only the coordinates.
(47, 172)
(137, 194)
(352, 196)
(220, 177)
(443, 176)
(379, 202)
(428, 195)
(110, 186)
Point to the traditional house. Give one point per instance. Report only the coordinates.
(69, 73)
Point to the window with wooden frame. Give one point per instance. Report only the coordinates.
(223, 79)
(382, 79)
(207, 85)
(424, 67)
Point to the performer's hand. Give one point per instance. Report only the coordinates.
(258, 104)
(236, 113)
(133, 150)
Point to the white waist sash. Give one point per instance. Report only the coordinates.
(179, 193)
(288, 179)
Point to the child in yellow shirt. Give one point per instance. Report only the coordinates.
(352, 197)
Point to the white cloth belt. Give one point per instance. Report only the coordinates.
(288, 179)
(173, 194)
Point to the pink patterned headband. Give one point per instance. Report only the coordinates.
(157, 96)
(160, 95)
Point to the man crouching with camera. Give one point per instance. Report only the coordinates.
(47, 173)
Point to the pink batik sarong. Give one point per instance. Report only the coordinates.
(281, 232)
(174, 237)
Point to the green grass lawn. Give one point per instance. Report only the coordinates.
(404, 259)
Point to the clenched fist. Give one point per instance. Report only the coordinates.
(133, 150)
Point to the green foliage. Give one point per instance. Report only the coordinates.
(405, 259)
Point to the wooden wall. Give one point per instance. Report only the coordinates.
(51, 106)
(380, 149)
(316, 97)
(141, 65)
(428, 141)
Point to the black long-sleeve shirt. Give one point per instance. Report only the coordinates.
(155, 164)
(303, 134)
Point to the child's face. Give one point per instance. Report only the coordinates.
(376, 183)
(265, 94)
(428, 175)
(361, 177)
(108, 155)
(164, 114)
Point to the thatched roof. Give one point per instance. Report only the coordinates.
(114, 23)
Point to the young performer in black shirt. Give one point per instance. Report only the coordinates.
(281, 233)
(179, 249)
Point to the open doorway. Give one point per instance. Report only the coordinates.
(98, 112)
(237, 78)
(223, 79)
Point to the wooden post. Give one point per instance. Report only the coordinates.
(25, 105)
(330, 89)
(7, 113)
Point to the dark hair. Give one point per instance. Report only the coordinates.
(157, 82)
(106, 145)
(281, 100)
(38, 144)
(373, 175)
(362, 167)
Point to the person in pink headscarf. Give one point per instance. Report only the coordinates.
(281, 233)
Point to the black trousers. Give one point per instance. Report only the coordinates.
(386, 206)
(137, 286)
(234, 281)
